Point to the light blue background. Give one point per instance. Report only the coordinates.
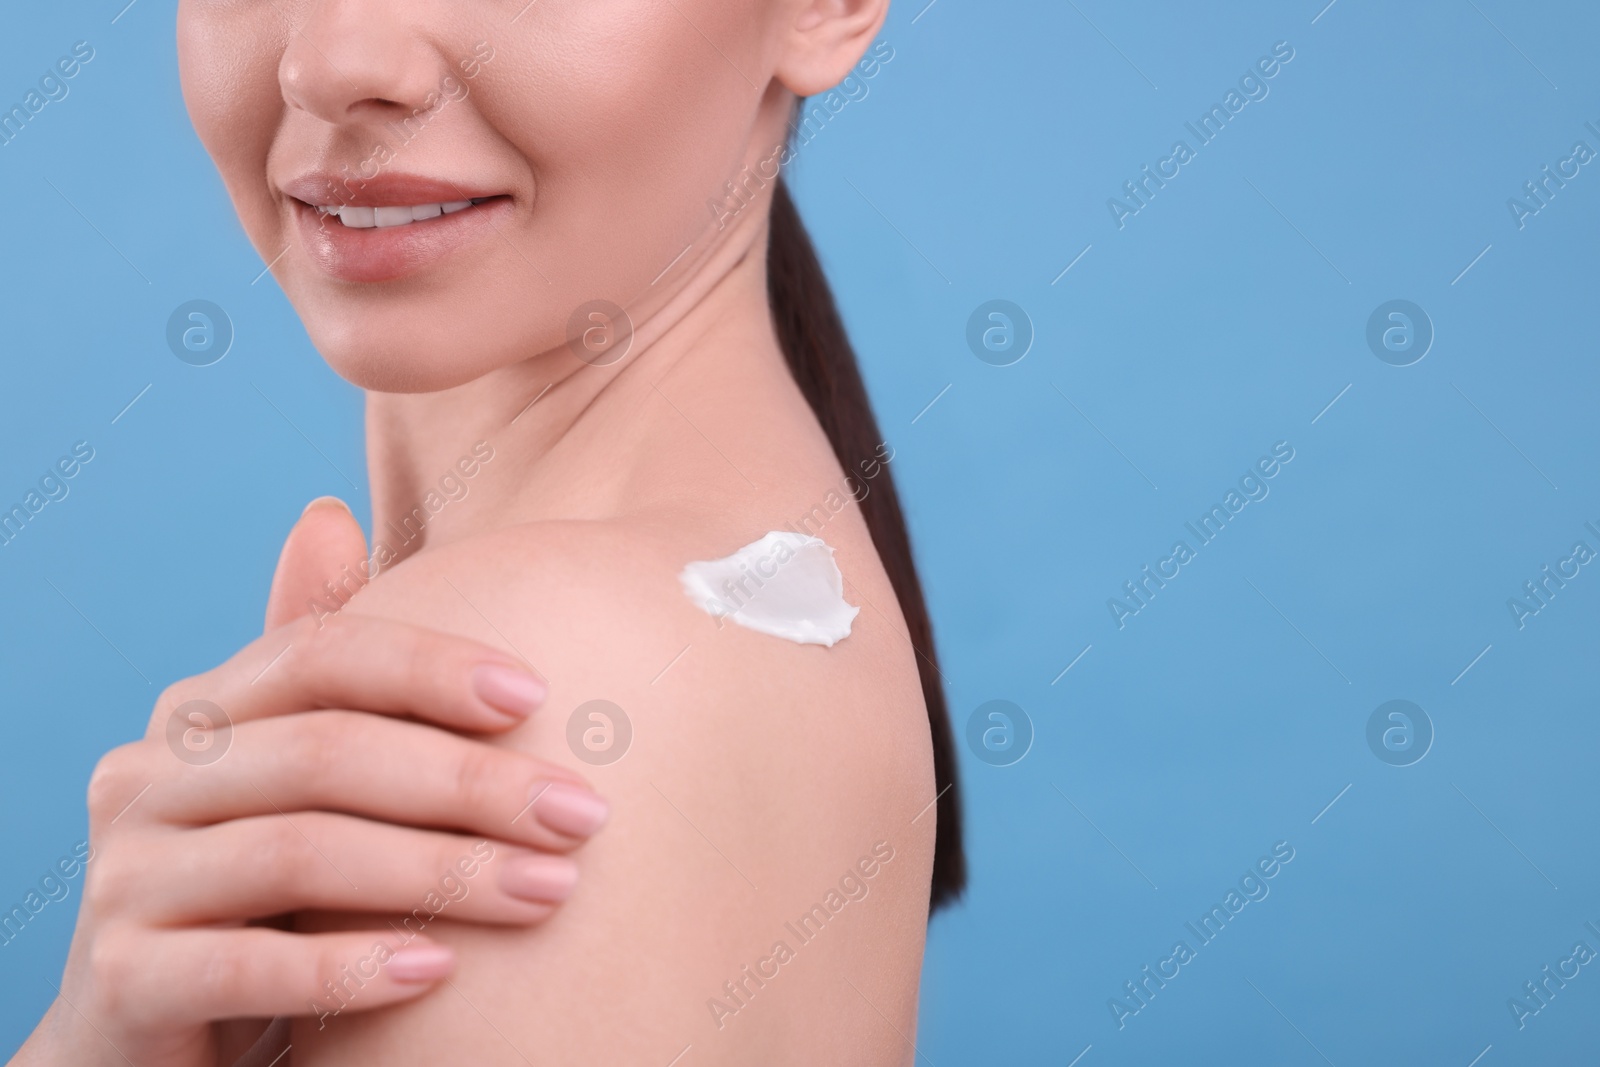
(1221, 319)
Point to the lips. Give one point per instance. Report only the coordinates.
(391, 226)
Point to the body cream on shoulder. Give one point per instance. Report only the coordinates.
(786, 585)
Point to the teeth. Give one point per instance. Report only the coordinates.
(392, 216)
(363, 218)
(358, 218)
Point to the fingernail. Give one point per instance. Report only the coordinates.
(569, 809)
(421, 963)
(541, 879)
(323, 501)
(507, 689)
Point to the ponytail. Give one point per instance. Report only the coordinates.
(824, 366)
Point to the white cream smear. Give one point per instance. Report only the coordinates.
(785, 584)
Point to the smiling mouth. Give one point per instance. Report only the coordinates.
(393, 226)
(367, 218)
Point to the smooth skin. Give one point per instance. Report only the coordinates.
(759, 771)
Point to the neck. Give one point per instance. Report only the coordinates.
(561, 436)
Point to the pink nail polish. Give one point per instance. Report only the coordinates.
(508, 690)
(420, 963)
(541, 879)
(569, 809)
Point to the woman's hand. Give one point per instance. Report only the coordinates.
(322, 768)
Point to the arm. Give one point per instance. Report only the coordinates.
(762, 777)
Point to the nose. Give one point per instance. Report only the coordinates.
(357, 60)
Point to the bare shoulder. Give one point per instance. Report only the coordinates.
(770, 847)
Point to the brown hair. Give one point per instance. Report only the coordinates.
(823, 363)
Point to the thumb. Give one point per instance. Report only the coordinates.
(325, 546)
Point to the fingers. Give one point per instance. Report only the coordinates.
(345, 761)
(188, 977)
(314, 861)
(325, 547)
(376, 665)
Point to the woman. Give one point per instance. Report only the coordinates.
(493, 217)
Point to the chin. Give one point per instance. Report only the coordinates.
(400, 360)
(424, 334)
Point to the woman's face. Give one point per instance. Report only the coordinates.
(588, 137)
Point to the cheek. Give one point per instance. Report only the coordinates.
(228, 57)
(629, 131)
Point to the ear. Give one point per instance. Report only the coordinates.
(325, 545)
(826, 40)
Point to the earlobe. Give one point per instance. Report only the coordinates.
(826, 40)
